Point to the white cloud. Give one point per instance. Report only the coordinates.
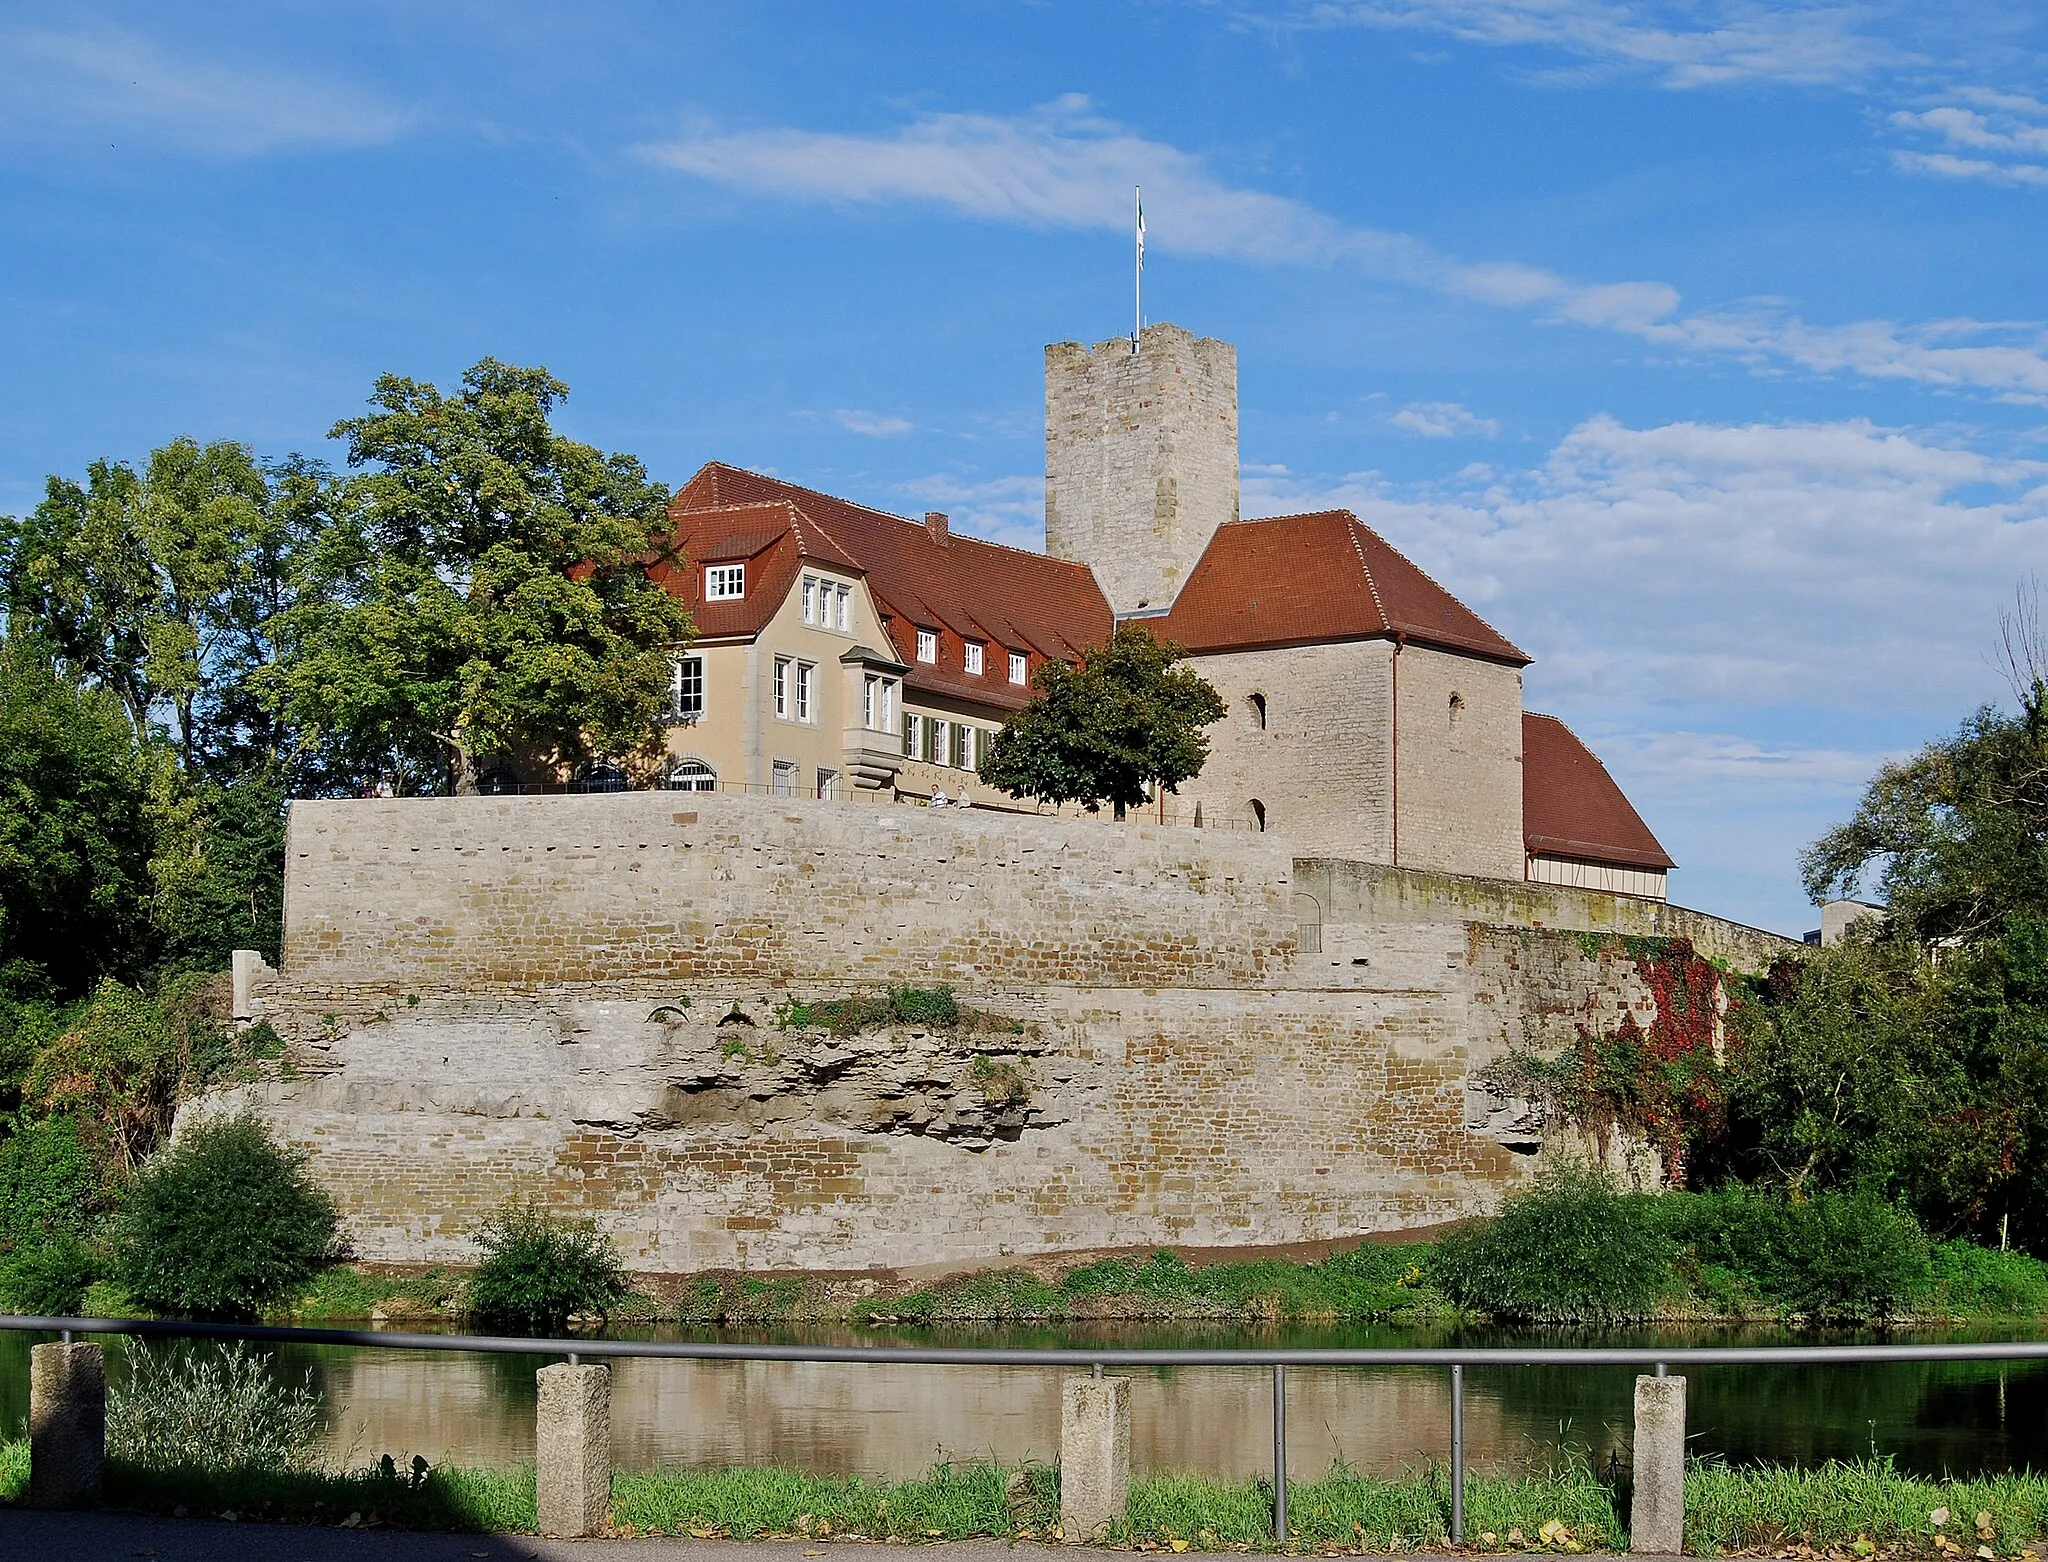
(1062, 166)
(2002, 130)
(1684, 45)
(1009, 510)
(1837, 565)
(877, 424)
(1442, 420)
(116, 84)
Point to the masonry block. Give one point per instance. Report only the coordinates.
(573, 1450)
(67, 1425)
(1095, 1456)
(1656, 1521)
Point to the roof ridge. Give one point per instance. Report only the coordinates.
(1365, 568)
(891, 515)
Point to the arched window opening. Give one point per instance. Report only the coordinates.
(1258, 814)
(600, 775)
(1457, 706)
(1258, 704)
(689, 775)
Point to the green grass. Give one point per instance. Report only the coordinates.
(1833, 1506)
(953, 1502)
(1837, 1504)
(342, 1292)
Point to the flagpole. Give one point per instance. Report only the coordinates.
(1138, 266)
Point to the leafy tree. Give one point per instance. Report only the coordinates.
(222, 1224)
(77, 833)
(482, 589)
(539, 1271)
(152, 585)
(1128, 716)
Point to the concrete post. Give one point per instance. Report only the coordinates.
(1095, 1456)
(1656, 1521)
(573, 1450)
(67, 1425)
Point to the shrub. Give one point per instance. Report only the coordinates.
(1851, 1256)
(222, 1224)
(1972, 1279)
(1569, 1250)
(50, 1279)
(211, 1408)
(933, 1006)
(539, 1271)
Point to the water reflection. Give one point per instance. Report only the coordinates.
(897, 1420)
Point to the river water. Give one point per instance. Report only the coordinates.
(899, 1420)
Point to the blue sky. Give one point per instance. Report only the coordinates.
(1699, 346)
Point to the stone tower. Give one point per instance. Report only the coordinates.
(1140, 458)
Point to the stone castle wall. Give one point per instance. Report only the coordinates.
(1140, 458)
(585, 1000)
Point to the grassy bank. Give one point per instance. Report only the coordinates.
(1848, 1509)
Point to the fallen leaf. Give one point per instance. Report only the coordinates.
(1983, 1518)
(1180, 1545)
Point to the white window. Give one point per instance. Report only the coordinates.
(970, 743)
(1019, 666)
(690, 775)
(913, 735)
(686, 688)
(810, 599)
(725, 582)
(846, 609)
(806, 681)
(927, 645)
(828, 785)
(888, 706)
(782, 686)
(785, 778)
(942, 741)
(974, 656)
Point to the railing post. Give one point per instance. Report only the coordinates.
(1457, 1455)
(1656, 1521)
(1095, 1455)
(573, 1450)
(1279, 1454)
(67, 1424)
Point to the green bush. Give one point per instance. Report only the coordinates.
(50, 1193)
(1972, 1279)
(1851, 1257)
(50, 1279)
(933, 1006)
(539, 1271)
(1569, 1250)
(1835, 1257)
(211, 1408)
(222, 1224)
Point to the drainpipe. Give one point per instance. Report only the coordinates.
(1399, 641)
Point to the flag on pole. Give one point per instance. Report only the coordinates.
(1138, 271)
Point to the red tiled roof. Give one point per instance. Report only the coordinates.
(1298, 579)
(962, 587)
(1571, 806)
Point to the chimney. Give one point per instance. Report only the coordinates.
(936, 523)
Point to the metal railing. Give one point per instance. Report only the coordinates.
(1094, 1358)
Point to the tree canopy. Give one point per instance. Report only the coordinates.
(1129, 716)
(479, 590)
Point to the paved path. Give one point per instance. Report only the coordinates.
(118, 1537)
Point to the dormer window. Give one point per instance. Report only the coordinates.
(1019, 667)
(927, 645)
(725, 582)
(973, 658)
